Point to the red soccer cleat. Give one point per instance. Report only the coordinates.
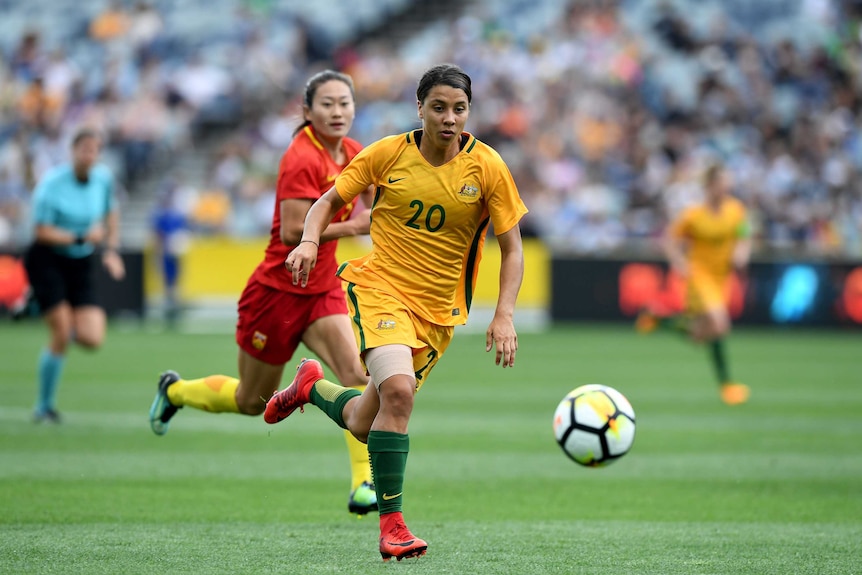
(397, 541)
(284, 402)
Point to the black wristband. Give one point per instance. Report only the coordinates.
(79, 239)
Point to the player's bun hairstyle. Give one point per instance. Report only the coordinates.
(444, 75)
(314, 83)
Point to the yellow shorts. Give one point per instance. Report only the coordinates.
(380, 319)
(706, 292)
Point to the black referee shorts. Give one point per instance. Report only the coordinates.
(56, 278)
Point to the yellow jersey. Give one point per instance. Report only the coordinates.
(428, 223)
(711, 235)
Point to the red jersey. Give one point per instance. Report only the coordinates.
(306, 171)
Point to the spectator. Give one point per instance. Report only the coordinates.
(110, 24)
(631, 89)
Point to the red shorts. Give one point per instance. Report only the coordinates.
(271, 322)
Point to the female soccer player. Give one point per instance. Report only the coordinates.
(704, 245)
(75, 213)
(437, 189)
(275, 315)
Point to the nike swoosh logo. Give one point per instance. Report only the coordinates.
(404, 544)
(389, 497)
(391, 181)
(331, 178)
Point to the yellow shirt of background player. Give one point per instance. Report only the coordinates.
(428, 224)
(711, 236)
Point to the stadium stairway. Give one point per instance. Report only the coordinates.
(189, 166)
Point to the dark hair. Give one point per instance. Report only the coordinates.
(83, 134)
(314, 83)
(445, 75)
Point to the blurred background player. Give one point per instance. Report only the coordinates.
(171, 230)
(74, 212)
(705, 245)
(437, 190)
(275, 315)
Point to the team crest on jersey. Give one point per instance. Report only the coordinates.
(385, 324)
(456, 311)
(469, 191)
(258, 340)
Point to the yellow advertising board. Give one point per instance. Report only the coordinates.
(220, 267)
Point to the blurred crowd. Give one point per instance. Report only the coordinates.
(606, 111)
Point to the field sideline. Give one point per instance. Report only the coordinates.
(771, 487)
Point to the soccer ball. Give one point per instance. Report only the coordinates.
(595, 425)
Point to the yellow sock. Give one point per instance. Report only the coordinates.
(360, 465)
(215, 393)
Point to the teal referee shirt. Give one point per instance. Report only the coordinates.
(62, 201)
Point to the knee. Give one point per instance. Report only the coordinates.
(247, 406)
(719, 328)
(89, 341)
(397, 400)
(88, 334)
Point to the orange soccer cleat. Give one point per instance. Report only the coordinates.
(397, 541)
(284, 402)
(646, 322)
(734, 393)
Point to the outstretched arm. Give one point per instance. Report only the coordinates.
(501, 333)
(302, 259)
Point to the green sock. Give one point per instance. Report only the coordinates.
(719, 361)
(676, 323)
(331, 399)
(388, 452)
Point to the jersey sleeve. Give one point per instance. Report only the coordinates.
(298, 176)
(358, 174)
(505, 205)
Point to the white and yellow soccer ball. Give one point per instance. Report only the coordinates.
(594, 425)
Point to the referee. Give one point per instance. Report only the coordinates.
(76, 222)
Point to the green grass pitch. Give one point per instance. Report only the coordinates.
(774, 486)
